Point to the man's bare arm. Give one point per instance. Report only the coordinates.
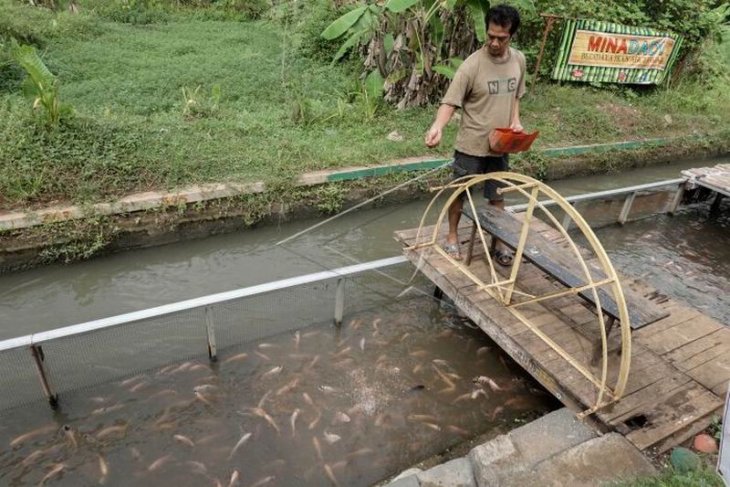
(515, 122)
(443, 115)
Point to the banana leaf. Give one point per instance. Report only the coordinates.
(343, 23)
(398, 6)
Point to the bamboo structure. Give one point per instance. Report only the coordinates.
(504, 289)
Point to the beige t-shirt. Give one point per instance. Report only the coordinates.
(485, 90)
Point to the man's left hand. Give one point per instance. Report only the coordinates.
(517, 127)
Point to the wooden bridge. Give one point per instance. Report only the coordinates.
(680, 358)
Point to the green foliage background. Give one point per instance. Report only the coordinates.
(268, 105)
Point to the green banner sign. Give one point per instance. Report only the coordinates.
(604, 52)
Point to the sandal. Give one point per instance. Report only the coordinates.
(504, 257)
(452, 250)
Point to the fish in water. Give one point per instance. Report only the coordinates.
(327, 389)
(293, 421)
(496, 413)
(421, 417)
(310, 334)
(342, 352)
(288, 387)
(157, 464)
(107, 409)
(263, 356)
(120, 429)
(331, 438)
(32, 434)
(267, 346)
(235, 479)
(32, 458)
(242, 441)
(56, 469)
(340, 418)
(201, 397)
(317, 448)
(316, 420)
(307, 399)
(478, 392)
(376, 322)
(132, 380)
(449, 383)
(103, 469)
(70, 435)
(263, 481)
(138, 386)
(184, 440)
(360, 453)
(330, 474)
(463, 397)
(418, 353)
(362, 344)
(459, 431)
(273, 371)
(297, 339)
(313, 362)
(263, 414)
(481, 351)
(236, 358)
(484, 380)
(197, 467)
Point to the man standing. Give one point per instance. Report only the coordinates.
(487, 87)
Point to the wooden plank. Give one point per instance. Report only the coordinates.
(540, 252)
(711, 374)
(643, 400)
(677, 316)
(677, 336)
(690, 351)
(686, 405)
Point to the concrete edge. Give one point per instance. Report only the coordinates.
(207, 192)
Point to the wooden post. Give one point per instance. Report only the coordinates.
(674, 203)
(339, 301)
(470, 249)
(548, 27)
(628, 202)
(39, 358)
(210, 329)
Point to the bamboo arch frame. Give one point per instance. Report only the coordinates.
(503, 290)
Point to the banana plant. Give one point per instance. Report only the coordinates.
(416, 45)
(40, 85)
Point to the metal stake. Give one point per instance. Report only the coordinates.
(38, 358)
(624, 215)
(210, 328)
(676, 200)
(339, 301)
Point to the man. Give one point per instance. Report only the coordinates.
(487, 87)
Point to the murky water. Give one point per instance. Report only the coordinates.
(320, 406)
(60, 295)
(405, 382)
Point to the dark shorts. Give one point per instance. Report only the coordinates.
(464, 165)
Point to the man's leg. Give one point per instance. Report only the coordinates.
(501, 251)
(454, 218)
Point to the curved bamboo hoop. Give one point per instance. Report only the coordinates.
(502, 290)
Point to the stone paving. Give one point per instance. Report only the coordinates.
(555, 450)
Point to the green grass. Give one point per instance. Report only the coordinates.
(705, 477)
(277, 114)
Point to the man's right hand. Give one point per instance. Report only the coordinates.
(433, 137)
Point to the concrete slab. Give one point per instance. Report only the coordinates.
(609, 458)
(408, 481)
(555, 432)
(454, 473)
(520, 450)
